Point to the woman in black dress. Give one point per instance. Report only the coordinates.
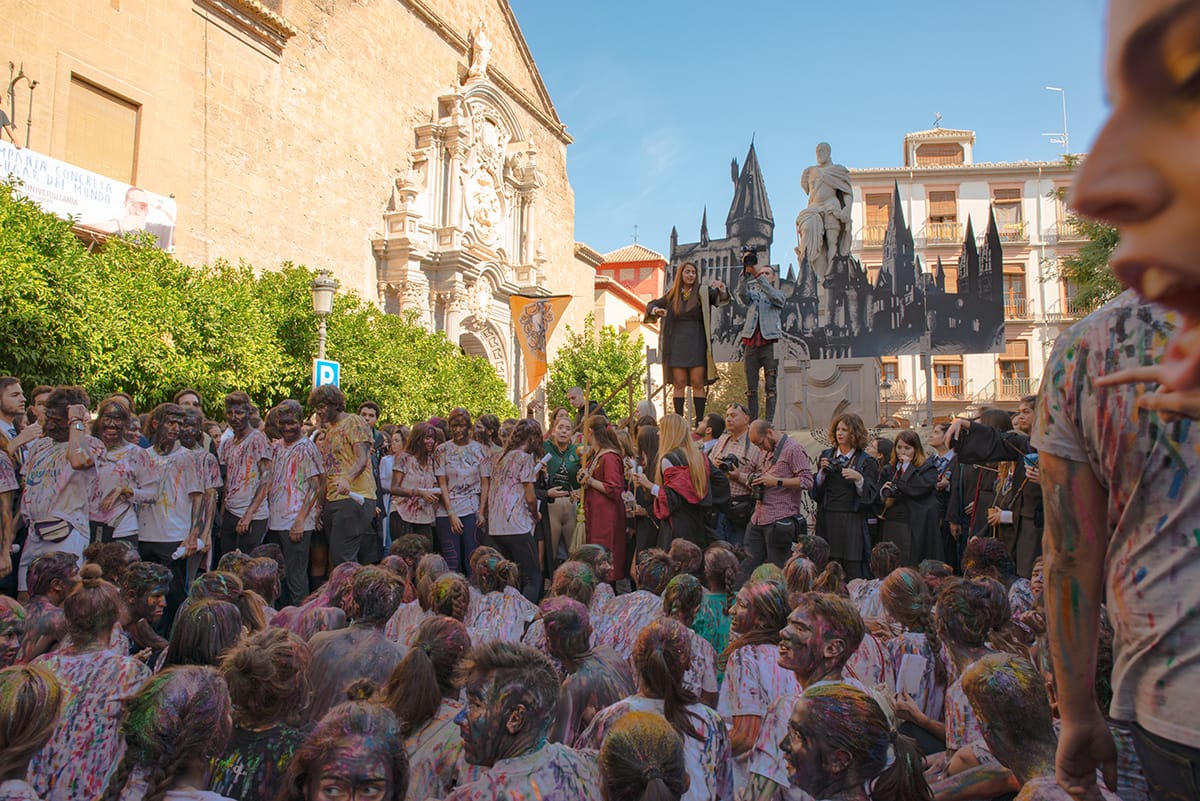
(844, 489)
(686, 336)
(910, 511)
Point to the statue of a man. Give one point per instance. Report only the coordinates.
(823, 228)
(481, 52)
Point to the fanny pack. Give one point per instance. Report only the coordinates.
(52, 530)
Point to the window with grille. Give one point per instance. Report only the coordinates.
(936, 153)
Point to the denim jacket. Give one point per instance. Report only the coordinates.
(764, 306)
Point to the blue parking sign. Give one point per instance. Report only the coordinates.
(326, 372)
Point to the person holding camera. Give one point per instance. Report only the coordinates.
(778, 490)
(844, 489)
(762, 329)
(910, 513)
(740, 458)
(686, 337)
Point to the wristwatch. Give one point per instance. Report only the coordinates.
(779, 482)
(77, 426)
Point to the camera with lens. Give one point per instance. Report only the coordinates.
(756, 490)
(728, 463)
(835, 465)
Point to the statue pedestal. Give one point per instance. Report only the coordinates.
(812, 393)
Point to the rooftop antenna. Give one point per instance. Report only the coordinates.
(1061, 138)
(937, 119)
(635, 234)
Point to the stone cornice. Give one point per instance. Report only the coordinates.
(252, 21)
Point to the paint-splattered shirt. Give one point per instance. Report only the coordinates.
(17, 790)
(294, 465)
(45, 628)
(168, 519)
(626, 616)
(1045, 788)
(708, 758)
(962, 727)
(465, 467)
(123, 466)
(413, 508)
(243, 461)
(712, 623)
(8, 474)
(434, 753)
(499, 616)
(53, 489)
(339, 658)
(253, 764)
(701, 675)
(87, 742)
(404, 622)
(865, 595)
(870, 662)
(508, 512)
(602, 596)
(912, 671)
(551, 773)
(600, 679)
(753, 680)
(341, 452)
(1149, 468)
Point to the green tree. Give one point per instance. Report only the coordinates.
(1087, 272)
(730, 387)
(598, 360)
(132, 318)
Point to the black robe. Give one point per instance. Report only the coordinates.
(912, 520)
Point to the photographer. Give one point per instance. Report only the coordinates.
(764, 306)
(786, 474)
(844, 489)
(740, 458)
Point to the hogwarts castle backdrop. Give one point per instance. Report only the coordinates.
(906, 310)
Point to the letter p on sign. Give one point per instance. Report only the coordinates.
(325, 372)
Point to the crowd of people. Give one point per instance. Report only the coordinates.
(309, 605)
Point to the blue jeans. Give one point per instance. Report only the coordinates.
(457, 548)
(1172, 770)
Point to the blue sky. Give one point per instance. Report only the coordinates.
(659, 95)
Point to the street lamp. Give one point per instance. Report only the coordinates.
(885, 387)
(323, 287)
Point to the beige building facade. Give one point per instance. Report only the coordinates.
(408, 146)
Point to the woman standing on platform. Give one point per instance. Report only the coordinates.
(602, 481)
(911, 519)
(686, 336)
(844, 489)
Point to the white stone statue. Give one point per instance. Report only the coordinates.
(481, 51)
(823, 228)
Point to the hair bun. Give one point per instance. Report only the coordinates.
(91, 572)
(360, 690)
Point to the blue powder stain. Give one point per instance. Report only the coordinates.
(1176, 484)
(1139, 575)
(1162, 521)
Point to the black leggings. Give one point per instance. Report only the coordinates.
(522, 549)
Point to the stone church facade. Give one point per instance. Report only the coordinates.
(408, 146)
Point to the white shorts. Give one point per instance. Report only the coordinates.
(35, 546)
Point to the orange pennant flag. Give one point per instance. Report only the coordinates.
(535, 319)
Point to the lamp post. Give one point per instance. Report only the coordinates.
(323, 288)
(885, 387)
(1063, 138)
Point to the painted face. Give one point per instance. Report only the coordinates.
(189, 401)
(238, 417)
(905, 452)
(152, 605)
(133, 431)
(844, 435)
(459, 430)
(483, 721)
(1142, 173)
(805, 766)
(1023, 420)
(802, 645)
(12, 400)
(10, 643)
(1037, 581)
(687, 275)
(351, 774)
(112, 427)
(289, 428)
(168, 429)
(397, 443)
(55, 424)
(189, 429)
(324, 413)
(429, 442)
(741, 616)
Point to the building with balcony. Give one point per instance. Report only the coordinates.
(940, 189)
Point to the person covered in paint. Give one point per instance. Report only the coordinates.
(267, 677)
(512, 506)
(512, 698)
(30, 703)
(220, 585)
(574, 580)
(642, 758)
(463, 469)
(631, 612)
(450, 595)
(712, 620)
(823, 632)
(840, 746)
(349, 479)
(885, 557)
(402, 625)
(96, 684)
(360, 651)
(178, 721)
(661, 657)
(753, 675)
(595, 677)
(191, 438)
(987, 557)
(203, 631)
(920, 674)
(12, 630)
(415, 491)
(500, 612)
(1009, 700)
(425, 698)
(294, 497)
(125, 477)
(600, 560)
(247, 458)
(681, 601)
(324, 609)
(59, 473)
(51, 578)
